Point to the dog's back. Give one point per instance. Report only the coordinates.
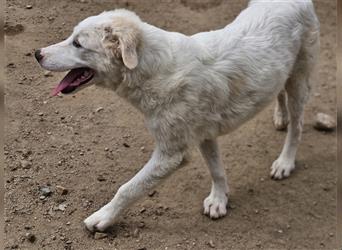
(264, 19)
(300, 11)
(259, 50)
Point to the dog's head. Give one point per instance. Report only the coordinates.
(98, 50)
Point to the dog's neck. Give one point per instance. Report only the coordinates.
(154, 61)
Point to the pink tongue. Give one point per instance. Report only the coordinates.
(62, 85)
(68, 80)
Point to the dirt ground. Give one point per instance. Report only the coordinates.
(71, 141)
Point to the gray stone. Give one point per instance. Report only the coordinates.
(324, 122)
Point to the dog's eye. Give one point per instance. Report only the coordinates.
(76, 44)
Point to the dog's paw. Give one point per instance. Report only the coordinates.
(280, 121)
(100, 220)
(281, 168)
(215, 205)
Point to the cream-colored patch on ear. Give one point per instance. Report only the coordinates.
(111, 43)
(124, 37)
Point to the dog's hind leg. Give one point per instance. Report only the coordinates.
(215, 204)
(280, 116)
(157, 168)
(297, 88)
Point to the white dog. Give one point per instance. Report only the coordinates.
(192, 89)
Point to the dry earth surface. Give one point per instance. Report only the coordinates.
(92, 142)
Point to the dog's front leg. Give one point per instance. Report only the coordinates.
(215, 204)
(157, 168)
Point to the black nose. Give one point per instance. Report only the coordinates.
(38, 55)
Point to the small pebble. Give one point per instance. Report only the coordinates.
(99, 109)
(47, 73)
(159, 212)
(40, 113)
(25, 164)
(30, 237)
(46, 191)
(324, 122)
(29, 6)
(61, 207)
(152, 193)
(141, 224)
(211, 244)
(61, 190)
(101, 178)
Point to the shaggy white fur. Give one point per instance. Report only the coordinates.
(192, 89)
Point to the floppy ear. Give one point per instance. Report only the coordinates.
(123, 43)
(128, 46)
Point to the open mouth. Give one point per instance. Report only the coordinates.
(74, 79)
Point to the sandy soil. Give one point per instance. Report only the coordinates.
(67, 141)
